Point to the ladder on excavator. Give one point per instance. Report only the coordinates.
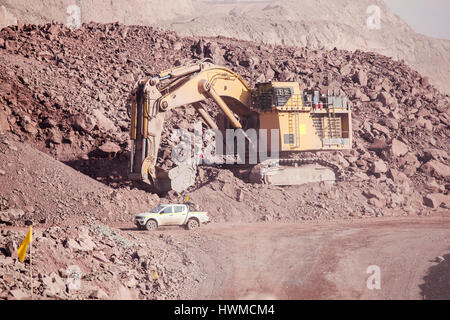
(297, 128)
(294, 128)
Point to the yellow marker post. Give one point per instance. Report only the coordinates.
(22, 252)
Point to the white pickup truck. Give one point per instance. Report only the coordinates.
(171, 215)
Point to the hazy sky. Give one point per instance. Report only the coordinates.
(430, 17)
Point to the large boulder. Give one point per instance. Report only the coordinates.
(436, 169)
(424, 123)
(55, 136)
(83, 122)
(385, 98)
(99, 294)
(398, 148)
(434, 200)
(11, 214)
(435, 154)
(379, 127)
(110, 147)
(83, 243)
(103, 122)
(379, 166)
(4, 124)
(378, 145)
(372, 193)
(360, 77)
(398, 176)
(53, 285)
(18, 294)
(11, 249)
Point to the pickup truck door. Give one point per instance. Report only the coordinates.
(179, 214)
(166, 216)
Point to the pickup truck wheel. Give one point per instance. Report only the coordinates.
(151, 225)
(192, 224)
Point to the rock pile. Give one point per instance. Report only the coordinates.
(93, 262)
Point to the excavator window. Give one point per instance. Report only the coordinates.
(282, 95)
(167, 209)
(275, 97)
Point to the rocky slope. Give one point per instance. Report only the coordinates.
(315, 24)
(95, 261)
(63, 92)
(323, 24)
(38, 189)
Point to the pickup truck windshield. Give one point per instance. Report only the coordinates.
(157, 209)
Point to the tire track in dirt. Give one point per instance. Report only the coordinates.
(318, 261)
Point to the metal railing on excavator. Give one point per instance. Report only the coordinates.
(294, 102)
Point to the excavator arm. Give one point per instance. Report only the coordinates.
(190, 84)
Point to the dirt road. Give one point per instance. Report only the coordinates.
(323, 261)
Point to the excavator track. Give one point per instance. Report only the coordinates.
(286, 171)
(289, 171)
(336, 168)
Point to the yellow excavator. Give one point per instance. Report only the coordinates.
(306, 121)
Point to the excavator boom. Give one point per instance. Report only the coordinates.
(190, 84)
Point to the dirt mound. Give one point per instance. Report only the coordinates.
(75, 254)
(38, 189)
